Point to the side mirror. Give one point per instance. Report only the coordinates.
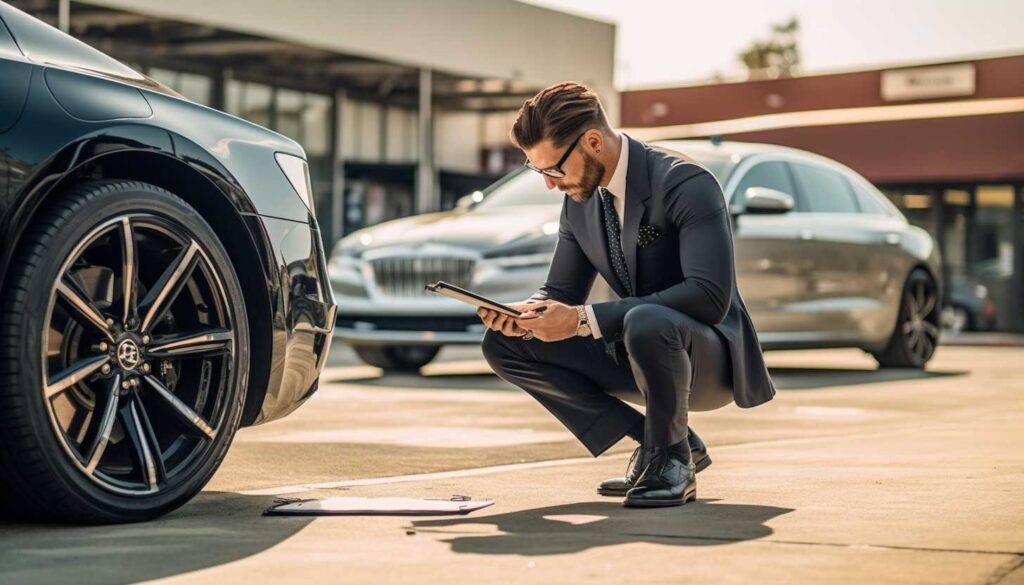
(762, 200)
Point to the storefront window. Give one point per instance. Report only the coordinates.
(991, 248)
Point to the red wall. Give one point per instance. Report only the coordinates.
(975, 148)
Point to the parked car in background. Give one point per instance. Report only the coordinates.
(162, 282)
(823, 260)
(968, 307)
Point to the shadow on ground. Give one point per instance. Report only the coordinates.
(786, 378)
(796, 378)
(577, 527)
(213, 529)
(436, 381)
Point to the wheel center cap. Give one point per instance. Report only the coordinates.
(128, 354)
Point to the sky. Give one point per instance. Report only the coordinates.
(677, 42)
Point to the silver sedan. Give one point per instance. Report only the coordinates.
(823, 260)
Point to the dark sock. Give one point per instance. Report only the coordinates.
(680, 451)
(637, 432)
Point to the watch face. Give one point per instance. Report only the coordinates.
(584, 330)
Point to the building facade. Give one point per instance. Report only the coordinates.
(944, 141)
(402, 106)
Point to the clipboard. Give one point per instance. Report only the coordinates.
(471, 298)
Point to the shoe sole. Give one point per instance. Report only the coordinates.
(689, 496)
(700, 466)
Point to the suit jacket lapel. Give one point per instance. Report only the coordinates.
(638, 190)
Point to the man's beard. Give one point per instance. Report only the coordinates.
(593, 170)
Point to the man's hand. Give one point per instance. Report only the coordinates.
(556, 322)
(501, 322)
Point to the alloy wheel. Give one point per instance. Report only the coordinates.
(138, 352)
(919, 328)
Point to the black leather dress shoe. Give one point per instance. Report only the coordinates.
(667, 481)
(618, 486)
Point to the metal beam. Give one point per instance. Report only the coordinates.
(336, 221)
(1016, 308)
(64, 15)
(426, 175)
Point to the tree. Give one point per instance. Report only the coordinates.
(776, 56)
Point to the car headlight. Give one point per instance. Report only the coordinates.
(296, 170)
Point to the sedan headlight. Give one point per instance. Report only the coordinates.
(296, 170)
(345, 271)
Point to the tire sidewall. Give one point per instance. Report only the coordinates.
(113, 201)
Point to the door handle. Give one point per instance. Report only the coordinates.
(806, 234)
(892, 239)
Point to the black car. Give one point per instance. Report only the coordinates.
(161, 283)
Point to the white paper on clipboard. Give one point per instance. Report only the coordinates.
(470, 298)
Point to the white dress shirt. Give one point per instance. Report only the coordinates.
(617, 187)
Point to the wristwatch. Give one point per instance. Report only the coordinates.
(583, 328)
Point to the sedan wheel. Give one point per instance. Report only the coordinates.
(139, 357)
(397, 358)
(916, 336)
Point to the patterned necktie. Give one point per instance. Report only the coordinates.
(614, 240)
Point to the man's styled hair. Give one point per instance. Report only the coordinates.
(559, 113)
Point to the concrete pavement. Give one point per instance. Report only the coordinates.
(850, 475)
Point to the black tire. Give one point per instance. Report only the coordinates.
(916, 335)
(397, 358)
(87, 444)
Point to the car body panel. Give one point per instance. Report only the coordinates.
(59, 135)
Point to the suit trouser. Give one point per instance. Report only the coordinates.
(674, 364)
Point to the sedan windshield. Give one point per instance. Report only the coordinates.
(525, 187)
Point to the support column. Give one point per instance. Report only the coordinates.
(219, 89)
(64, 16)
(336, 221)
(1017, 284)
(427, 193)
(939, 221)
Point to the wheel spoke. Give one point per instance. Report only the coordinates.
(930, 329)
(929, 304)
(73, 375)
(202, 343)
(131, 419)
(166, 289)
(911, 304)
(928, 347)
(106, 426)
(129, 263)
(83, 308)
(183, 411)
(915, 337)
(920, 297)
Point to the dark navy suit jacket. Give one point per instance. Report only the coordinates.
(688, 266)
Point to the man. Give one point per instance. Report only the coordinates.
(656, 226)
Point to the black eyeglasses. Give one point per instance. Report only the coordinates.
(556, 170)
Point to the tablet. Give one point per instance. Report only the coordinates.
(470, 298)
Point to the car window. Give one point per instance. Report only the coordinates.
(824, 190)
(871, 201)
(521, 187)
(771, 175)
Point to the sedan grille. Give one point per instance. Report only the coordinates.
(406, 277)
